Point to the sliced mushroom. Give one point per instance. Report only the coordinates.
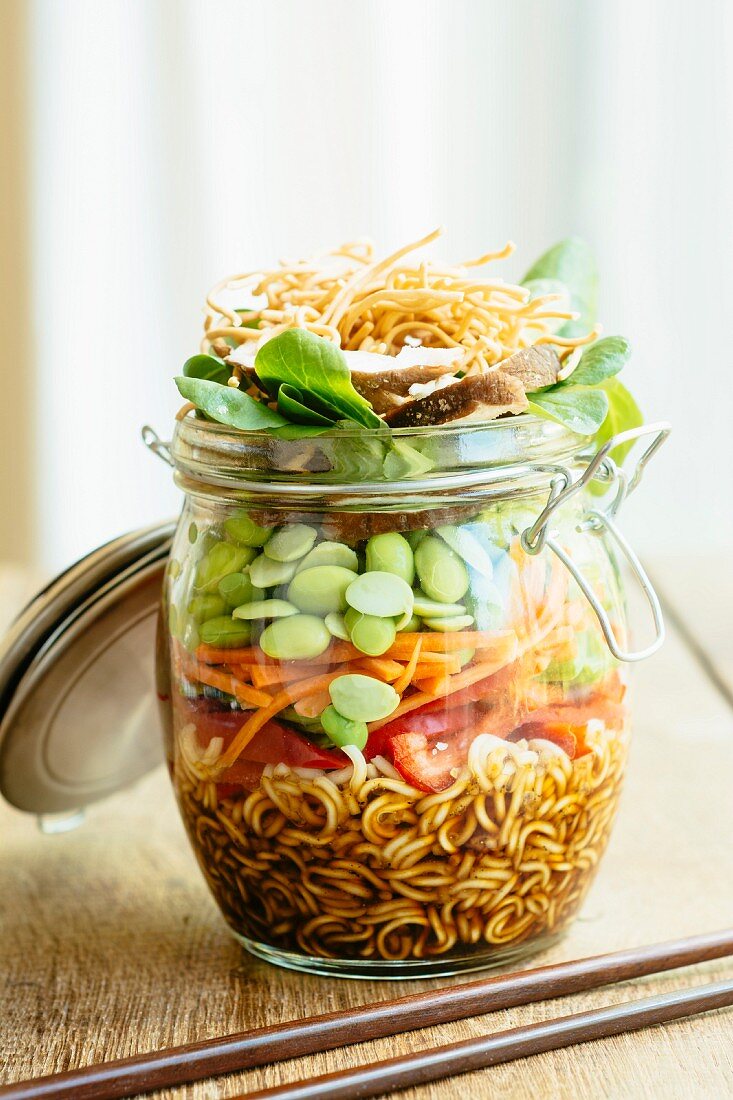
(534, 367)
(480, 397)
(385, 380)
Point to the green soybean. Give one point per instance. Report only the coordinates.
(330, 553)
(368, 633)
(445, 626)
(415, 538)
(265, 609)
(380, 593)
(362, 698)
(469, 548)
(173, 568)
(290, 543)
(465, 656)
(391, 553)
(295, 638)
(223, 558)
(344, 731)
(237, 588)
(430, 608)
(190, 637)
(412, 625)
(321, 589)
(443, 576)
(242, 528)
(173, 617)
(225, 633)
(206, 607)
(193, 533)
(265, 572)
(336, 625)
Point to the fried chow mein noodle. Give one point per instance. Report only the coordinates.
(365, 304)
(362, 864)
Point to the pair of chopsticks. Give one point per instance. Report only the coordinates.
(246, 1050)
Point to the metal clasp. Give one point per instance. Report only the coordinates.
(562, 488)
(154, 443)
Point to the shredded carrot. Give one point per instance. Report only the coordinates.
(382, 667)
(310, 706)
(312, 686)
(400, 684)
(472, 675)
(448, 668)
(264, 676)
(224, 681)
(435, 685)
(447, 643)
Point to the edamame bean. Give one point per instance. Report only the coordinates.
(225, 633)
(290, 543)
(237, 588)
(265, 609)
(265, 572)
(173, 621)
(412, 625)
(380, 593)
(445, 626)
(193, 533)
(344, 731)
(190, 638)
(223, 558)
(468, 548)
(295, 638)
(368, 633)
(465, 656)
(362, 698)
(443, 576)
(336, 625)
(321, 589)
(430, 608)
(330, 553)
(242, 528)
(391, 553)
(206, 607)
(415, 538)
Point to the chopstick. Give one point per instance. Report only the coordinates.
(435, 1064)
(245, 1050)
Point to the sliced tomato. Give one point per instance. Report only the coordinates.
(571, 739)
(424, 721)
(273, 744)
(425, 763)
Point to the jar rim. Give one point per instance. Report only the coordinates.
(345, 459)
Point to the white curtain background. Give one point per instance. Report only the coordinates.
(173, 141)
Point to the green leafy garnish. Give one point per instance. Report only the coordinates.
(623, 413)
(571, 263)
(317, 369)
(290, 403)
(210, 367)
(227, 405)
(579, 408)
(601, 361)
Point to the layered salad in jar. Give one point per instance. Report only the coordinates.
(396, 734)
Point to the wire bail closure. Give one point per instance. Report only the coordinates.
(154, 443)
(562, 488)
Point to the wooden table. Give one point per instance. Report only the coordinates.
(110, 943)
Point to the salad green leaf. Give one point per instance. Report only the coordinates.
(600, 361)
(316, 367)
(210, 367)
(571, 263)
(290, 403)
(228, 405)
(579, 408)
(623, 413)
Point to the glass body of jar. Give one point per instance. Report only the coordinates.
(322, 595)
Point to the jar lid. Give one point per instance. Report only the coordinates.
(77, 692)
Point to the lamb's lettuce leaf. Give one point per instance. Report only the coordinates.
(228, 405)
(571, 263)
(601, 361)
(579, 408)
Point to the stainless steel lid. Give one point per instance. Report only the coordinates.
(77, 690)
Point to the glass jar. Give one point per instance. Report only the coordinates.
(473, 661)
